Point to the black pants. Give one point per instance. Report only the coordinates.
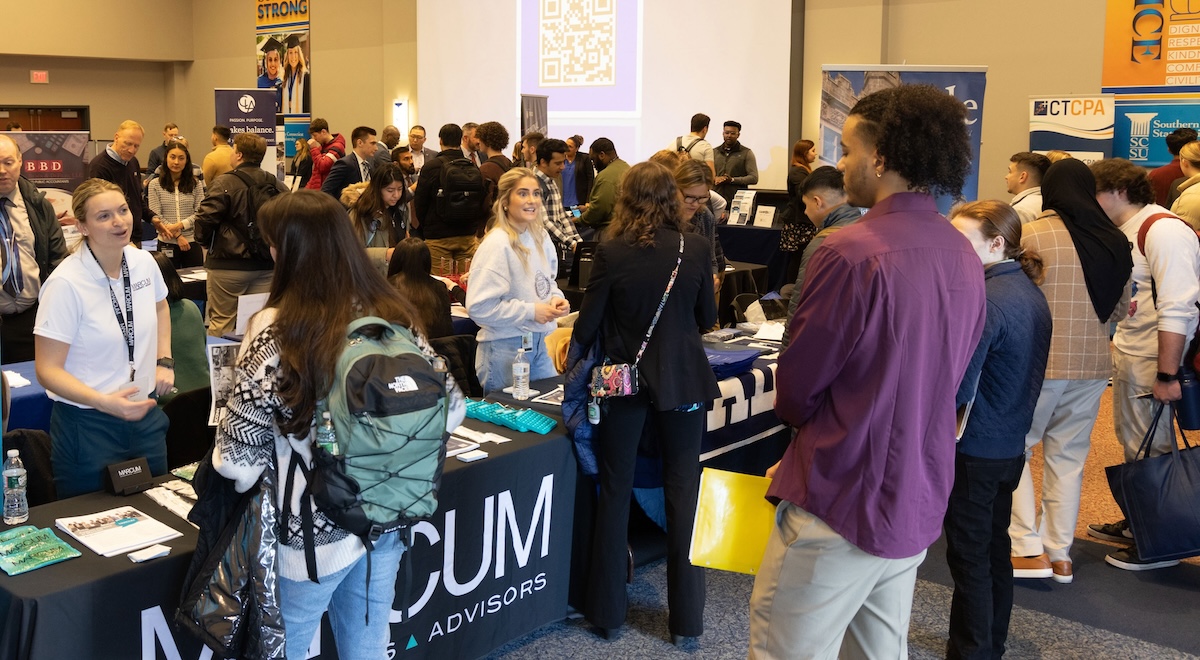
(679, 436)
(16, 336)
(978, 551)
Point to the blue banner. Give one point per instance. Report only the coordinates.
(1143, 125)
(252, 111)
(843, 86)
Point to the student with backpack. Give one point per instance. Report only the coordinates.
(238, 260)
(449, 202)
(293, 367)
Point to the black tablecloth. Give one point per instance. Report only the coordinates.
(757, 245)
(506, 521)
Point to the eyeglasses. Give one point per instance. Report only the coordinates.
(688, 199)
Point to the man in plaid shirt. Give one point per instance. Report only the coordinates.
(551, 156)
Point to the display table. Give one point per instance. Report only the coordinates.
(758, 245)
(30, 405)
(492, 565)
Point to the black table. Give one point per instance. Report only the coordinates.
(492, 565)
(759, 245)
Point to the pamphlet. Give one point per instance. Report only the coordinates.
(554, 397)
(116, 531)
(222, 358)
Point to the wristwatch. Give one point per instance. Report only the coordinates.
(1164, 377)
(166, 363)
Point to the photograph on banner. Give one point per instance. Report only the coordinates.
(249, 110)
(1144, 122)
(843, 85)
(291, 79)
(1151, 47)
(1080, 125)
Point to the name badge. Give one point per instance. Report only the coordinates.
(527, 341)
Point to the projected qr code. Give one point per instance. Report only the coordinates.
(578, 43)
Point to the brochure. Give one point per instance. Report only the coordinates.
(116, 531)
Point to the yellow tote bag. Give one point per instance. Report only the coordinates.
(733, 521)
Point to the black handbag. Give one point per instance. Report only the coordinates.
(1160, 496)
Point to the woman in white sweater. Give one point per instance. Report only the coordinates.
(512, 294)
(175, 195)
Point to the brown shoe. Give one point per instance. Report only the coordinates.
(1062, 571)
(1032, 567)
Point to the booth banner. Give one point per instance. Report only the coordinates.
(1151, 46)
(1079, 125)
(253, 111)
(534, 115)
(54, 162)
(1144, 122)
(843, 85)
(284, 53)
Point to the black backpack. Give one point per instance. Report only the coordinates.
(257, 194)
(461, 192)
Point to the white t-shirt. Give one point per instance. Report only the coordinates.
(75, 308)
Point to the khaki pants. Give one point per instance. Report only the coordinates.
(454, 249)
(814, 587)
(1133, 407)
(224, 287)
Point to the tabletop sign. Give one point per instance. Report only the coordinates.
(129, 477)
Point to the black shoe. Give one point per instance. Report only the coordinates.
(1129, 560)
(610, 634)
(685, 642)
(1117, 532)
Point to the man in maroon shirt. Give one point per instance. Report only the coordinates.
(1162, 177)
(890, 315)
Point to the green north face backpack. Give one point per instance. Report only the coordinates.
(389, 406)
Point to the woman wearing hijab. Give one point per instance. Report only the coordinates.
(1080, 249)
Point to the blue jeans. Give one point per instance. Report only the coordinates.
(83, 441)
(349, 600)
(494, 358)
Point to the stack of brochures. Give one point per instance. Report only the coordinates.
(116, 531)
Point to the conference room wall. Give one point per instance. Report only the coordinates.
(680, 75)
(128, 30)
(1031, 47)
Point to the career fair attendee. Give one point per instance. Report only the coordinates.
(1003, 380)
(159, 154)
(410, 271)
(285, 366)
(513, 296)
(188, 346)
(1187, 205)
(175, 196)
(380, 214)
(237, 262)
(355, 167)
(32, 247)
(216, 162)
(694, 180)
(610, 170)
(652, 272)
(103, 338)
(119, 164)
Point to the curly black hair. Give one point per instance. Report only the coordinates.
(921, 133)
(493, 134)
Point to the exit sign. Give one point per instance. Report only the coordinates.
(39, 77)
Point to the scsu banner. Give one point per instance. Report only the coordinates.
(1143, 123)
(250, 111)
(1079, 125)
(843, 85)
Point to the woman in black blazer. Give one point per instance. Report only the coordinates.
(629, 275)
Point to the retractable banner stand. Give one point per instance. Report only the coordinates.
(843, 85)
(250, 111)
(1152, 64)
(54, 161)
(534, 114)
(1080, 125)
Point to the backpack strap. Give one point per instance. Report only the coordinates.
(306, 515)
(688, 151)
(1145, 228)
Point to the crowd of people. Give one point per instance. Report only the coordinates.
(899, 318)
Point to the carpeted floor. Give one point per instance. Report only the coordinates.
(1105, 613)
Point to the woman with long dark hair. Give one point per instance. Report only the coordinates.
(651, 271)
(322, 282)
(175, 196)
(378, 215)
(410, 271)
(798, 230)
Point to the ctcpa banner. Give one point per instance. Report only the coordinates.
(1080, 125)
(250, 111)
(843, 85)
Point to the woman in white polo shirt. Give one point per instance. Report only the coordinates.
(103, 342)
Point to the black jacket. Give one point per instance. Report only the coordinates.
(222, 219)
(425, 200)
(585, 175)
(49, 247)
(625, 288)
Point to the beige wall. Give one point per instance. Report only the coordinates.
(88, 29)
(1030, 48)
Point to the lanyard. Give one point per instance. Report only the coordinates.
(126, 320)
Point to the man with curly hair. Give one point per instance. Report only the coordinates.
(891, 312)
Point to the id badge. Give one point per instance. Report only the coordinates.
(144, 385)
(167, 249)
(527, 341)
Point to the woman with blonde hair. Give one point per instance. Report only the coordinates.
(1187, 205)
(295, 79)
(513, 296)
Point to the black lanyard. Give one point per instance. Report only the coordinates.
(126, 321)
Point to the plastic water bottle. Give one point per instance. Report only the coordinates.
(326, 438)
(16, 504)
(520, 388)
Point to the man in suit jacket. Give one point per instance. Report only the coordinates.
(388, 140)
(355, 167)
